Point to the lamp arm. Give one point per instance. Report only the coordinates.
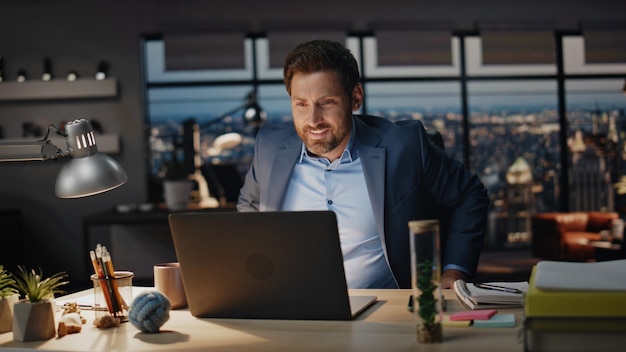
(48, 150)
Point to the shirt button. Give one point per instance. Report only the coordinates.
(329, 202)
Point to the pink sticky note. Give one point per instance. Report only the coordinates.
(480, 314)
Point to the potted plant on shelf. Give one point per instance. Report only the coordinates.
(33, 316)
(8, 297)
(176, 185)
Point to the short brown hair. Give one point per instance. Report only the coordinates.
(322, 55)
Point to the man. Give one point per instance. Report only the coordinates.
(374, 174)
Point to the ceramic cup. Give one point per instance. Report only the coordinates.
(168, 280)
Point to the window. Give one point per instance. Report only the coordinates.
(527, 129)
(514, 136)
(436, 104)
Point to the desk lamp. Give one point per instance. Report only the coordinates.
(87, 173)
(254, 116)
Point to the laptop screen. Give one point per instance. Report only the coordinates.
(267, 265)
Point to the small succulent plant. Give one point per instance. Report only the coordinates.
(35, 288)
(7, 283)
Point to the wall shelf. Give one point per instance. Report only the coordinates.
(107, 143)
(58, 89)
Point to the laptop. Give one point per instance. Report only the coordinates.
(264, 265)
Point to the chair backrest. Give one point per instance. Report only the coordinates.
(599, 221)
(435, 137)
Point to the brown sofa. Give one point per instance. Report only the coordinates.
(562, 235)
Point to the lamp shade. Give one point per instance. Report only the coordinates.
(87, 176)
(88, 172)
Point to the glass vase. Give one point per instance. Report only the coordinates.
(425, 277)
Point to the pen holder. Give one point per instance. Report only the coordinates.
(425, 280)
(112, 296)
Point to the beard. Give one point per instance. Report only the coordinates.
(323, 146)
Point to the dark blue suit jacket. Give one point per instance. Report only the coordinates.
(404, 173)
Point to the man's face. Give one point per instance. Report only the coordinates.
(322, 112)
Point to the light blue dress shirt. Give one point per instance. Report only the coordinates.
(318, 184)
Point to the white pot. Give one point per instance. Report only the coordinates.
(177, 194)
(6, 312)
(33, 321)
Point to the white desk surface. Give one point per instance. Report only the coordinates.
(386, 326)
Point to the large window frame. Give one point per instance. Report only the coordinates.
(464, 74)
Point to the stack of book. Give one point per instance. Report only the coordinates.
(576, 307)
(490, 295)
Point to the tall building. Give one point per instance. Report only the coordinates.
(591, 187)
(519, 203)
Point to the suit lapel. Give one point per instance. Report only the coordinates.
(282, 167)
(373, 159)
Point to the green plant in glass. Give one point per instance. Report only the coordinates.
(430, 330)
(35, 288)
(7, 283)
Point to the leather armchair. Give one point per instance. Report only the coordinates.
(562, 235)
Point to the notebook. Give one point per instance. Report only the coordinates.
(264, 265)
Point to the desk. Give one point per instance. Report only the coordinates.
(386, 326)
(151, 234)
(108, 218)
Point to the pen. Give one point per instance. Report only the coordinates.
(498, 288)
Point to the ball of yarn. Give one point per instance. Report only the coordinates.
(149, 311)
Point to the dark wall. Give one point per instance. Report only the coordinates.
(78, 34)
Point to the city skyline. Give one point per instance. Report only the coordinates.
(504, 126)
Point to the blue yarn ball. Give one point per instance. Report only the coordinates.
(149, 311)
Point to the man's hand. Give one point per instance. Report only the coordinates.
(450, 276)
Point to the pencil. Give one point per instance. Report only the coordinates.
(108, 279)
(98, 270)
(109, 265)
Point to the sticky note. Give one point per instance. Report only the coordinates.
(480, 314)
(455, 323)
(497, 321)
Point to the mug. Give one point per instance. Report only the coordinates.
(168, 280)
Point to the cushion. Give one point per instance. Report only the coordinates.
(599, 221)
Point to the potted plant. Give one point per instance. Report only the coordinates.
(8, 297)
(176, 184)
(33, 316)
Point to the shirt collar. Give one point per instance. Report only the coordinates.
(349, 154)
